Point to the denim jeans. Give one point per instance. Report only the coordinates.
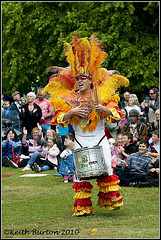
(47, 165)
(45, 127)
(45, 168)
(35, 158)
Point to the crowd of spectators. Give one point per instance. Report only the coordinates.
(134, 140)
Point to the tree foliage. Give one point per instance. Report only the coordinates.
(32, 34)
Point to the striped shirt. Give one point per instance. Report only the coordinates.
(138, 163)
(31, 149)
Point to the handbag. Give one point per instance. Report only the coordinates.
(16, 157)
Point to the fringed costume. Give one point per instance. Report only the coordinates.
(85, 59)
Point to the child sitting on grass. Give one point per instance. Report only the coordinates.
(114, 152)
(154, 146)
(66, 167)
(136, 166)
(50, 154)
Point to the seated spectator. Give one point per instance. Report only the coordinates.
(128, 148)
(15, 110)
(151, 104)
(138, 129)
(125, 101)
(151, 179)
(154, 146)
(114, 151)
(50, 154)
(123, 121)
(29, 146)
(111, 143)
(132, 105)
(47, 110)
(36, 157)
(136, 166)
(6, 108)
(67, 163)
(12, 145)
(30, 114)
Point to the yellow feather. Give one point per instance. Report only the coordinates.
(110, 86)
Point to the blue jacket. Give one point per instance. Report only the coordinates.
(7, 148)
(6, 113)
(14, 115)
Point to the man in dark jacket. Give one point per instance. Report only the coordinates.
(151, 104)
(137, 128)
(15, 110)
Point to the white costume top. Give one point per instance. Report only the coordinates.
(90, 139)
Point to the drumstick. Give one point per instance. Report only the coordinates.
(96, 97)
(95, 94)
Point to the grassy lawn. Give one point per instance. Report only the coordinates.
(41, 207)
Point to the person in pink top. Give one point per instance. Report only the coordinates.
(115, 160)
(47, 110)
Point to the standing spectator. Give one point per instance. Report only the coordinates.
(10, 145)
(67, 163)
(155, 123)
(23, 100)
(132, 105)
(132, 95)
(15, 110)
(123, 121)
(136, 166)
(125, 101)
(31, 114)
(154, 146)
(138, 129)
(6, 108)
(47, 110)
(151, 104)
(153, 126)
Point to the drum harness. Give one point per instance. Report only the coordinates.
(95, 145)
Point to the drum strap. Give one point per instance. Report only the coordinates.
(78, 142)
(97, 143)
(100, 140)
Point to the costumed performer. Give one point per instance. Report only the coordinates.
(83, 95)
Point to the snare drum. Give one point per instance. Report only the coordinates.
(89, 162)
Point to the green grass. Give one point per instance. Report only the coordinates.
(45, 204)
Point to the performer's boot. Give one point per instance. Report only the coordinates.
(83, 204)
(109, 197)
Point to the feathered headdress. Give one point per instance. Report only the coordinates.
(85, 58)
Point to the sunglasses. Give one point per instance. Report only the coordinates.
(151, 93)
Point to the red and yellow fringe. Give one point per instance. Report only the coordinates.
(108, 197)
(83, 204)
